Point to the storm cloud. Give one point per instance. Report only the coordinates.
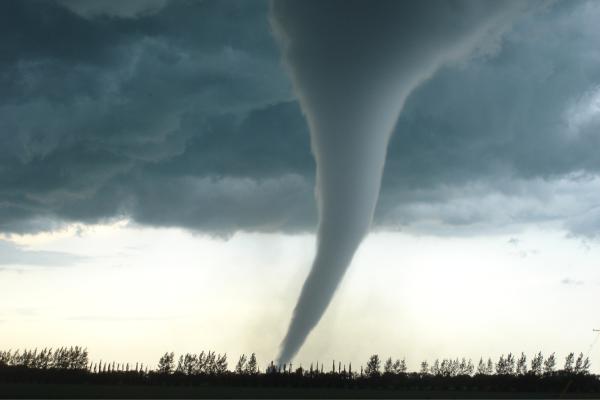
(144, 113)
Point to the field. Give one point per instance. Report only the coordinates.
(211, 391)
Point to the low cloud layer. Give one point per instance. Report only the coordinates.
(13, 255)
(150, 115)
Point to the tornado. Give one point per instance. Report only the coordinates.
(353, 64)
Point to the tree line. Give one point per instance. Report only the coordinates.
(211, 363)
(72, 358)
(509, 372)
(506, 365)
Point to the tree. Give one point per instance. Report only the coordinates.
(424, 367)
(569, 362)
(388, 366)
(470, 367)
(549, 364)
(490, 367)
(506, 366)
(210, 362)
(522, 364)
(201, 365)
(373, 366)
(251, 366)
(240, 367)
(501, 366)
(465, 367)
(4, 358)
(179, 368)
(510, 364)
(449, 367)
(481, 369)
(399, 366)
(435, 368)
(584, 368)
(190, 361)
(536, 364)
(271, 368)
(221, 364)
(166, 363)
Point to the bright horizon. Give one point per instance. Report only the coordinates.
(187, 293)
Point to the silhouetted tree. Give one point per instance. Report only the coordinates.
(4, 358)
(373, 366)
(536, 364)
(549, 364)
(449, 367)
(465, 367)
(510, 364)
(190, 364)
(481, 369)
(388, 366)
(569, 363)
(221, 364)
(251, 366)
(522, 364)
(582, 365)
(435, 368)
(489, 370)
(424, 367)
(399, 366)
(210, 362)
(166, 363)
(240, 367)
(201, 366)
(501, 366)
(179, 367)
(271, 368)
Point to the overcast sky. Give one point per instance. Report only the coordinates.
(154, 154)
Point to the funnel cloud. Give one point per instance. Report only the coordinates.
(353, 64)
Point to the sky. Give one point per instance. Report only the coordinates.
(157, 190)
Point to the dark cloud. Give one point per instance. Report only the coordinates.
(114, 8)
(226, 205)
(509, 114)
(181, 115)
